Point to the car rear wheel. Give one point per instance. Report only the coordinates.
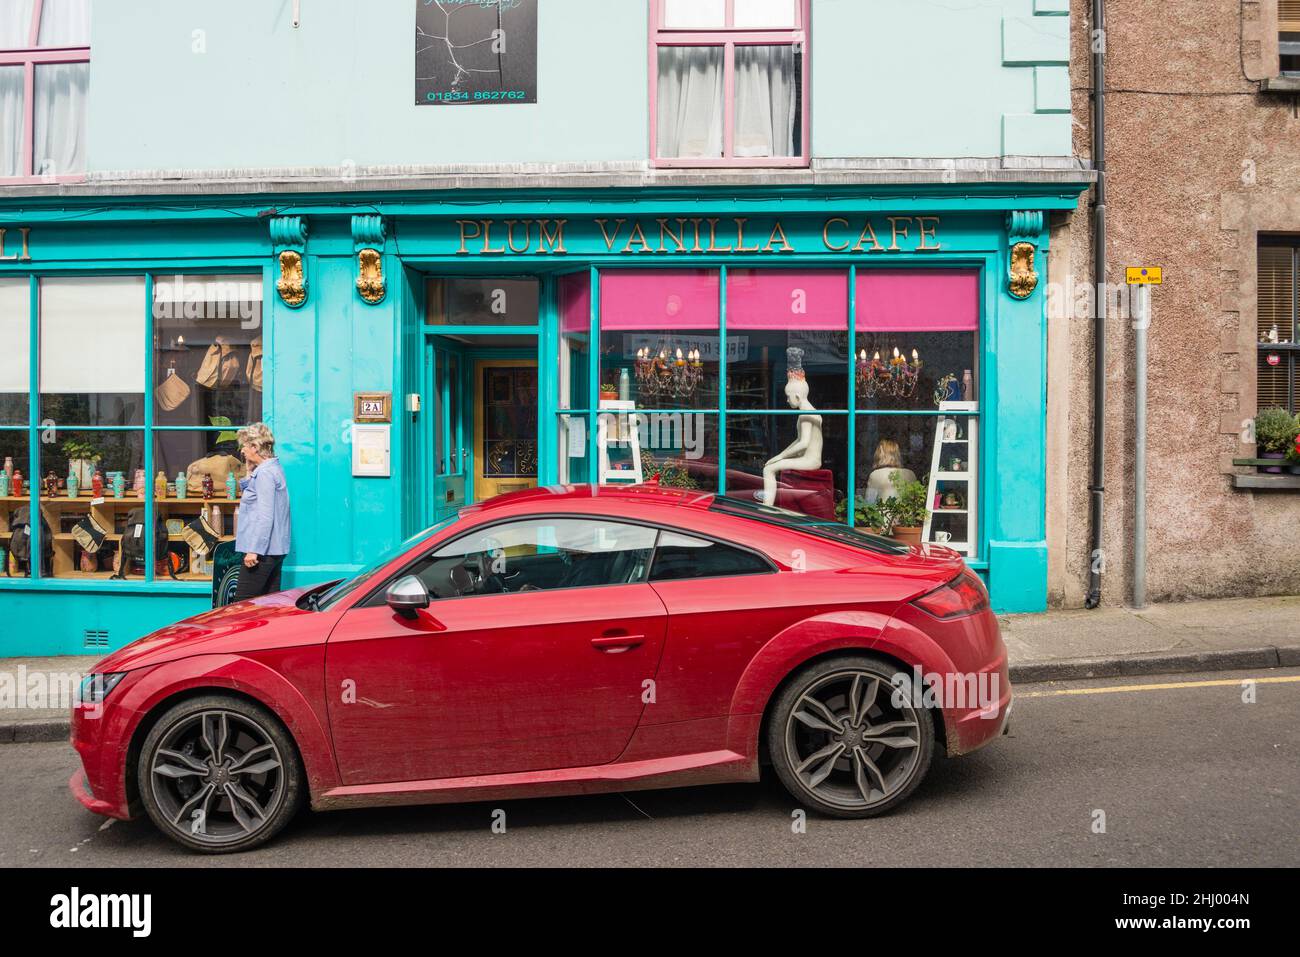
(848, 737)
(219, 774)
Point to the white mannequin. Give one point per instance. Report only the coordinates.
(805, 452)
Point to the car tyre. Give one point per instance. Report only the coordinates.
(220, 774)
(843, 743)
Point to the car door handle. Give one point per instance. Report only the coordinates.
(613, 644)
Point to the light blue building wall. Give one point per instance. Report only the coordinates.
(889, 78)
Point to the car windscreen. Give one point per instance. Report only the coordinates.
(349, 585)
(808, 524)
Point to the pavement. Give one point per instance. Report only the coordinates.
(1178, 637)
(1199, 771)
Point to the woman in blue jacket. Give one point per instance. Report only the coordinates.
(262, 535)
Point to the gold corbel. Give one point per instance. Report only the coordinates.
(370, 275)
(1024, 280)
(291, 285)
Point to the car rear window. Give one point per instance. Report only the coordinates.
(809, 525)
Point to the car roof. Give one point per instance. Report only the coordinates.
(545, 495)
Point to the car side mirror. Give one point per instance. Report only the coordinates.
(406, 596)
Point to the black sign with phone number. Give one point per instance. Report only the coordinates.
(475, 51)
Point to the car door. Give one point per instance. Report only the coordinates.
(533, 654)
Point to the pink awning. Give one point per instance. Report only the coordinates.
(787, 299)
(917, 300)
(653, 299)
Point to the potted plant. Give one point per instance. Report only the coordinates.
(82, 459)
(873, 516)
(906, 510)
(1293, 454)
(1275, 435)
(608, 391)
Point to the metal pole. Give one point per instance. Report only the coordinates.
(1140, 446)
(1096, 486)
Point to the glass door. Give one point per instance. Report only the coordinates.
(443, 398)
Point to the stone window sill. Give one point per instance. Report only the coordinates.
(1280, 84)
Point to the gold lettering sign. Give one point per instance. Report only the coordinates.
(681, 235)
(21, 254)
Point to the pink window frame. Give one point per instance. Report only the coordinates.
(729, 39)
(29, 57)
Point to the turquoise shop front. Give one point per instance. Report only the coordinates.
(416, 352)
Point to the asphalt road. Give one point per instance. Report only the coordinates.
(1186, 776)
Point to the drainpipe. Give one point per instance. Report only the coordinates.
(1095, 487)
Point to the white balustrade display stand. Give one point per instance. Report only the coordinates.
(965, 534)
(617, 425)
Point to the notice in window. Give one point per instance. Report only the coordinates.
(475, 52)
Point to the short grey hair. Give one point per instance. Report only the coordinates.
(259, 437)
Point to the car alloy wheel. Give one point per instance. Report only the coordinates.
(850, 741)
(219, 775)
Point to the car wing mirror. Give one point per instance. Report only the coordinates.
(407, 596)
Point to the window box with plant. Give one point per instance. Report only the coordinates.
(1275, 436)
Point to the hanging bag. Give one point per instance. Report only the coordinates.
(88, 534)
(254, 368)
(200, 536)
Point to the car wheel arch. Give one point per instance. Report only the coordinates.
(816, 639)
(272, 692)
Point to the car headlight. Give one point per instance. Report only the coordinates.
(95, 687)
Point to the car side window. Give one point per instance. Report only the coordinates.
(679, 557)
(537, 555)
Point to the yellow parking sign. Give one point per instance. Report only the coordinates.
(1144, 275)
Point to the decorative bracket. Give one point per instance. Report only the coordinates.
(368, 235)
(1023, 230)
(289, 236)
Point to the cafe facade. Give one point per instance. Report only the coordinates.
(418, 352)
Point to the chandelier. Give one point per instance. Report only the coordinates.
(662, 377)
(895, 377)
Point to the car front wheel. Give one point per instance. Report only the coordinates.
(849, 738)
(219, 774)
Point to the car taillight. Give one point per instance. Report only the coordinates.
(964, 595)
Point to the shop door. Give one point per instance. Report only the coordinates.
(445, 391)
(505, 426)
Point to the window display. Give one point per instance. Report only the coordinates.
(15, 356)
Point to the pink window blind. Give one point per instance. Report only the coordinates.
(575, 302)
(652, 299)
(917, 300)
(787, 299)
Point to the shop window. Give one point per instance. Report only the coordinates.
(15, 354)
(15, 504)
(91, 358)
(1277, 368)
(481, 302)
(813, 489)
(730, 82)
(44, 48)
(208, 356)
(196, 480)
(917, 338)
(772, 311)
(574, 461)
(575, 334)
(99, 471)
(91, 494)
(659, 338)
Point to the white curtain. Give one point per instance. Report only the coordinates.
(15, 332)
(689, 102)
(11, 121)
(64, 23)
(60, 121)
(15, 23)
(767, 101)
(92, 334)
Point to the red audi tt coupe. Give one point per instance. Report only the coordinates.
(563, 640)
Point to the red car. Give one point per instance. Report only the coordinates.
(563, 640)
